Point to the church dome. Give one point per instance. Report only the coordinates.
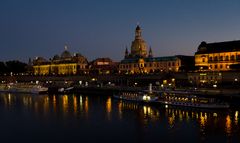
(139, 46)
(65, 55)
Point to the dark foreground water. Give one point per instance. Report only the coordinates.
(79, 118)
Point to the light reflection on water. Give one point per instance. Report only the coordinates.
(169, 121)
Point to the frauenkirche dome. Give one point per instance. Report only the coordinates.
(139, 46)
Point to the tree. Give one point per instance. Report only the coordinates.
(3, 68)
(16, 67)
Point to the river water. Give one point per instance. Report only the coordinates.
(97, 118)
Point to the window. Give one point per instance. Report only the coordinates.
(232, 57)
(216, 67)
(203, 60)
(215, 58)
(227, 58)
(238, 57)
(221, 58)
(221, 66)
(210, 59)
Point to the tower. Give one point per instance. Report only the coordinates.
(150, 54)
(126, 53)
(138, 32)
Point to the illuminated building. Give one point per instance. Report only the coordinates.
(222, 56)
(216, 63)
(102, 66)
(66, 64)
(141, 61)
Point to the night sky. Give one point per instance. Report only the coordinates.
(103, 28)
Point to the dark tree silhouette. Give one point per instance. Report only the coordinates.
(3, 68)
(16, 67)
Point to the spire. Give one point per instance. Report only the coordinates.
(126, 53)
(150, 54)
(29, 61)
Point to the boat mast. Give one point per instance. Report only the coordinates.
(150, 88)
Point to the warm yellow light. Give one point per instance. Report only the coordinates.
(164, 81)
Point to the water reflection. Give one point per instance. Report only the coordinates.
(236, 118)
(228, 125)
(109, 107)
(203, 122)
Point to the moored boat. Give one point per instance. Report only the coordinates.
(190, 100)
(133, 96)
(140, 96)
(23, 88)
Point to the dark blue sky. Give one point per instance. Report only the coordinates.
(102, 28)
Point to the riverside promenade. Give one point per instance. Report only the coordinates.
(117, 83)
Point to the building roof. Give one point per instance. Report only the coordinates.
(227, 46)
(102, 61)
(130, 60)
(154, 59)
(40, 61)
(66, 54)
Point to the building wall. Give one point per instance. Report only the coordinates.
(217, 61)
(66, 69)
(60, 69)
(41, 69)
(205, 78)
(147, 67)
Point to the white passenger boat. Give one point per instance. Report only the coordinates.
(23, 88)
(137, 96)
(189, 100)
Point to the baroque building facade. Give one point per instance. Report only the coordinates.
(65, 64)
(221, 56)
(216, 64)
(138, 60)
(102, 66)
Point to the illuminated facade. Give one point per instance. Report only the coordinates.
(66, 64)
(141, 61)
(216, 64)
(102, 66)
(222, 56)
